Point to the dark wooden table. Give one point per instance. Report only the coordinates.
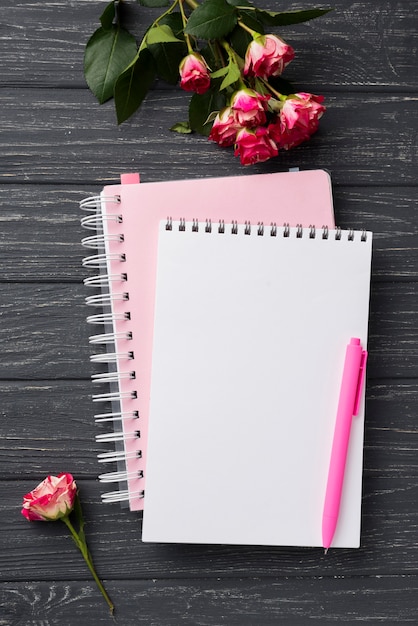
(57, 146)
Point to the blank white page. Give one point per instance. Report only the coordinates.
(249, 343)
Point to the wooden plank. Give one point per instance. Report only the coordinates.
(41, 232)
(44, 335)
(48, 427)
(389, 546)
(43, 332)
(44, 44)
(235, 602)
(63, 137)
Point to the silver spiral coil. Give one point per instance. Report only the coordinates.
(234, 228)
(107, 222)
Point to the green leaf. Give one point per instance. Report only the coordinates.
(108, 16)
(213, 19)
(200, 108)
(108, 53)
(182, 127)
(133, 85)
(219, 73)
(231, 74)
(154, 3)
(167, 57)
(160, 34)
(239, 37)
(240, 3)
(250, 19)
(286, 18)
(175, 22)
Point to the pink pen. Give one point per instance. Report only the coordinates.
(348, 405)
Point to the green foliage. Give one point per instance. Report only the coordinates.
(287, 18)
(182, 127)
(108, 16)
(160, 34)
(221, 30)
(167, 55)
(213, 19)
(231, 74)
(108, 52)
(200, 108)
(133, 85)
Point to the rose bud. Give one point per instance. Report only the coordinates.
(298, 120)
(267, 55)
(254, 146)
(225, 128)
(51, 500)
(249, 107)
(194, 73)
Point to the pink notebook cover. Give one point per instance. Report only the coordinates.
(295, 197)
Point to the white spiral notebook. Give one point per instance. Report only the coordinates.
(250, 330)
(122, 286)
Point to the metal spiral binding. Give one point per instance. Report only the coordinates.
(94, 221)
(107, 233)
(117, 436)
(105, 298)
(116, 477)
(98, 241)
(120, 496)
(286, 230)
(118, 455)
(104, 280)
(115, 416)
(112, 377)
(106, 338)
(107, 318)
(93, 203)
(101, 260)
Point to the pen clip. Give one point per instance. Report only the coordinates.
(360, 381)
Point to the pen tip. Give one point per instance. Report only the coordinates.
(326, 551)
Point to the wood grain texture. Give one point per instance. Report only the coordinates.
(221, 602)
(370, 48)
(44, 335)
(31, 450)
(40, 230)
(57, 146)
(44, 551)
(63, 136)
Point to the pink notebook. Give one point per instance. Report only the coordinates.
(126, 218)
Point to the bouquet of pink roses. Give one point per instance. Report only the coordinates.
(219, 51)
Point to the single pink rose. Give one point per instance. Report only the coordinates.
(194, 73)
(254, 146)
(52, 499)
(249, 107)
(298, 120)
(267, 55)
(225, 128)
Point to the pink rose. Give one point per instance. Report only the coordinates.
(298, 120)
(254, 146)
(225, 128)
(249, 107)
(267, 55)
(194, 73)
(52, 499)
